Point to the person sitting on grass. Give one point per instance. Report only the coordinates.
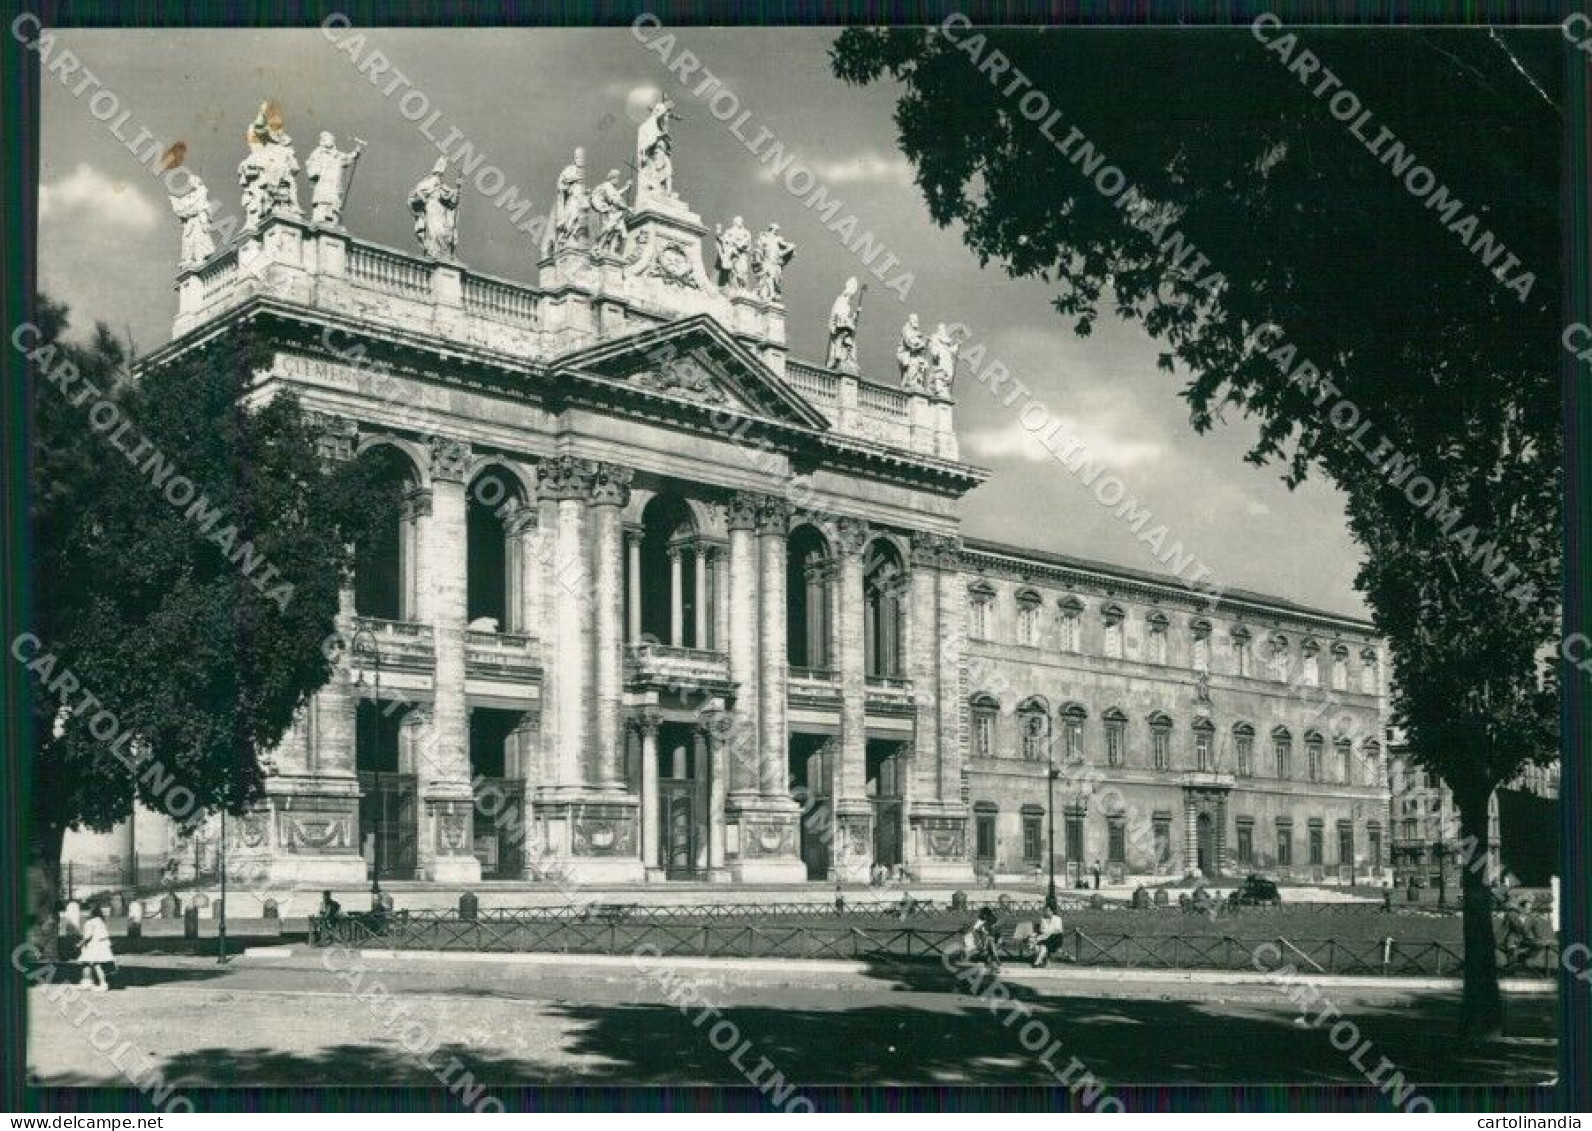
(982, 941)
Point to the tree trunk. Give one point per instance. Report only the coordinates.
(44, 889)
(1481, 1013)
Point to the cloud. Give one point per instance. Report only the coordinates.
(870, 167)
(1256, 509)
(1099, 441)
(86, 192)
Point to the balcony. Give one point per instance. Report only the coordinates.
(401, 645)
(818, 687)
(501, 655)
(681, 670)
(1207, 779)
(890, 693)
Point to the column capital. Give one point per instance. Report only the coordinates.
(851, 536)
(633, 532)
(773, 515)
(416, 503)
(741, 510)
(714, 724)
(646, 721)
(935, 551)
(564, 477)
(450, 458)
(522, 520)
(610, 484)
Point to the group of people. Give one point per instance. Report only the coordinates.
(982, 941)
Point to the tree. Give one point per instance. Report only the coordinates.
(1302, 272)
(175, 633)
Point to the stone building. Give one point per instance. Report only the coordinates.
(666, 603)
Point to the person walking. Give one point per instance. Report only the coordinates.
(96, 954)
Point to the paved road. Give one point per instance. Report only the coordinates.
(294, 1021)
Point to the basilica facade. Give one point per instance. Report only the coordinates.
(665, 603)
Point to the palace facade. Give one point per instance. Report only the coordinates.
(666, 603)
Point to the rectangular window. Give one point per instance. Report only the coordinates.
(1345, 844)
(1161, 747)
(1114, 737)
(1070, 632)
(1033, 838)
(984, 830)
(1162, 830)
(1202, 653)
(1246, 845)
(1074, 837)
(984, 734)
(1313, 749)
(1373, 836)
(978, 618)
(1157, 645)
(1317, 848)
(1285, 846)
(1113, 646)
(1202, 749)
(1116, 841)
(1345, 764)
(1283, 750)
(1034, 737)
(1244, 746)
(1028, 624)
(1340, 673)
(1074, 733)
(1241, 655)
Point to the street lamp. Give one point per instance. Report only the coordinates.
(1050, 816)
(364, 644)
(221, 859)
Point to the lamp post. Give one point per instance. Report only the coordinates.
(1051, 775)
(221, 862)
(364, 644)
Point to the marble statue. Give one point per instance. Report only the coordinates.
(912, 356)
(735, 255)
(192, 207)
(943, 347)
(654, 160)
(572, 205)
(435, 204)
(269, 174)
(608, 202)
(330, 171)
(774, 251)
(843, 317)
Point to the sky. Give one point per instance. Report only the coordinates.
(526, 98)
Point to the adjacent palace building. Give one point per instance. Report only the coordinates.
(665, 603)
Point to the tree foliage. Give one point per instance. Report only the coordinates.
(1265, 234)
(200, 623)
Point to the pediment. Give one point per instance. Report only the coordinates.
(697, 360)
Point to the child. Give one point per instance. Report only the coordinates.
(96, 954)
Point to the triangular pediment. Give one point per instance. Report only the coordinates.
(696, 359)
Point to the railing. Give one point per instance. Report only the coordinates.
(848, 934)
(219, 275)
(388, 271)
(882, 401)
(889, 683)
(493, 298)
(815, 675)
(817, 385)
(407, 631)
(515, 641)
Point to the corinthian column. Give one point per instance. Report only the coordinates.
(743, 754)
(447, 848)
(567, 670)
(773, 520)
(610, 492)
(849, 779)
(647, 721)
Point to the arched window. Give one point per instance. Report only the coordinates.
(1279, 658)
(1029, 609)
(492, 556)
(1243, 661)
(1155, 644)
(1244, 749)
(980, 601)
(1160, 741)
(1111, 617)
(1204, 745)
(1340, 668)
(1033, 723)
(1370, 672)
(1310, 658)
(1116, 730)
(671, 563)
(809, 574)
(384, 560)
(1071, 625)
(985, 712)
(884, 609)
(1313, 752)
(1282, 753)
(1072, 720)
(1200, 645)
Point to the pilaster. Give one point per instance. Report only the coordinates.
(852, 845)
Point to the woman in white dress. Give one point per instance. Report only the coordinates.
(96, 954)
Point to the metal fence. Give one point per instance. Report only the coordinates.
(536, 930)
